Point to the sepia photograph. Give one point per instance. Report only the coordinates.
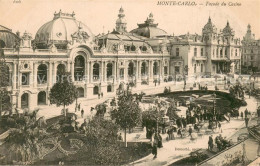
(130, 82)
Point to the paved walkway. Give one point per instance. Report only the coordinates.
(176, 149)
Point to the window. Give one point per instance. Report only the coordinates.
(177, 69)
(252, 51)
(225, 52)
(165, 70)
(79, 68)
(109, 70)
(42, 98)
(109, 88)
(252, 57)
(236, 52)
(95, 90)
(42, 74)
(80, 91)
(121, 73)
(213, 52)
(177, 52)
(221, 52)
(25, 78)
(217, 51)
(96, 71)
(201, 52)
(195, 51)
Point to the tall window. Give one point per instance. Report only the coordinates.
(155, 68)
(143, 69)
(221, 52)
(131, 69)
(96, 71)
(195, 51)
(177, 52)
(25, 78)
(201, 52)
(121, 73)
(42, 74)
(226, 51)
(109, 70)
(217, 51)
(236, 52)
(79, 68)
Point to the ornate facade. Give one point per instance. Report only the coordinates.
(97, 64)
(207, 54)
(251, 52)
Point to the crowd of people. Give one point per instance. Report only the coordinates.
(220, 142)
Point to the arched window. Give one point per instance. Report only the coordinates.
(165, 70)
(60, 71)
(42, 74)
(121, 73)
(25, 100)
(109, 88)
(155, 68)
(42, 98)
(133, 48)
(131, 69)
(109, 70)
(143, 48)
(96, 71)
(95, 90)
(143, 69)
(221, 52)
(79, 68)
(80, 92)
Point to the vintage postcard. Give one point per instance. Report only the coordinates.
(130, 82)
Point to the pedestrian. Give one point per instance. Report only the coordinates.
(246, 113)
(210, 143)
(98, 95)
(242, 115)
(79, 107)
(102, 94)
(219, 127)
(82, 113)
(179, 132)
(154, 145)
(190, 131)
(120, 138)
(246, 121)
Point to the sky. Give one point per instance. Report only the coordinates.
(100, 15)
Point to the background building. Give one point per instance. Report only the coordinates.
(251, 52)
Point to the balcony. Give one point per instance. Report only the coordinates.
(176, 57)
(220, 58)
(199, 58)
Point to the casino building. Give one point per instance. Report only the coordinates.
(99, 64)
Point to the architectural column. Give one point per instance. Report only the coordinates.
(126, 70)
(14, 76)
(101, 69)
(105, 72)
(151, 69)
(54, 72)
(139, 69)
(117, 71)
(88, 77)
(91, 72)
(50, 82)
(35, 69)
(72, 72)
(114, 71)
(68, 66)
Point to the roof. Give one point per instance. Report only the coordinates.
(126, 39)
(149, 29)
(61, 28)
(149, 32)
(7, 37)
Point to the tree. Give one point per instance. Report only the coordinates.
(101, 136)
(128, 113)
(5, 104)
(64, 92)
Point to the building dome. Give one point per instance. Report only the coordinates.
(228, 31)
(61, 30)
(209, 27)
(7, 37)
(149, 29)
